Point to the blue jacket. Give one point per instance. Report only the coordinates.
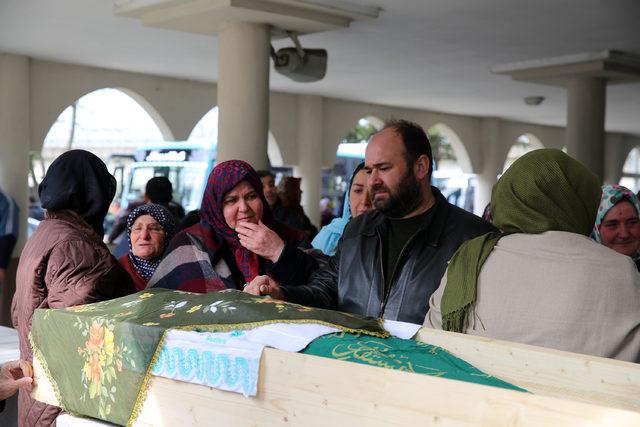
(329, 236)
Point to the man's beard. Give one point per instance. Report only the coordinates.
(402, 202)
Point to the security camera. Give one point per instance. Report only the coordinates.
(533, 100)
(300, 65)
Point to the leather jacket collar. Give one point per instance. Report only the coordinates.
(378, 222)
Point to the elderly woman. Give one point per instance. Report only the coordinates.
(150, 227)
(237, 239)
(542, 280)
(356, 202)
(617, 224)
(65, 262)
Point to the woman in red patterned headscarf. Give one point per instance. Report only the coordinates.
(236, 240)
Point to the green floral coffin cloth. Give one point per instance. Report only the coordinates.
(403, 355)
(99, 356)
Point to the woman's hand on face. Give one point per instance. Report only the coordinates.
(260, 240)
(264, 285)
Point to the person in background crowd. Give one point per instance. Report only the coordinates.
(356, 203)
(150, 228)
(236, 239)
(617, 223)
(35, 210)
(389, 260)
(486, 214)
(542, 280)
(282, 214)
(65, 262)
(290, 195)
(9, 221)
(14, 375)
(159, 191)
(191, 218)
(269, 188)
(326, 211)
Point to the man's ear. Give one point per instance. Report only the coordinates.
(146, 198)
(421, 167)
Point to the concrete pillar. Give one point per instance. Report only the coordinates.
(14, 134)
(243, 93)
(585, 122)
(615, 156)
(492, 163)
(14, 157)
(310, 139)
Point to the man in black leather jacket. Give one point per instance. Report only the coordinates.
(389, 261)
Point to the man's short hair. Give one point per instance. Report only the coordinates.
(416, 142)
(263, 173)
(159, 189)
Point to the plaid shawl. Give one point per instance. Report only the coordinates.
(208, 256)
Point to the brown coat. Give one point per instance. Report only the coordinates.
(63, 264)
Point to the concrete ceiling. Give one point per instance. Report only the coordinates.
(426, 54)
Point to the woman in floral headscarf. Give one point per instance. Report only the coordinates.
(542, 280)
(617, 223)
(236, 240)
(150, 227)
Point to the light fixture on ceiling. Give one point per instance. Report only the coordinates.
(533, 100)
(300, 65)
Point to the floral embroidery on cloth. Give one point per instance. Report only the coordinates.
(103, 359)
(99, 356)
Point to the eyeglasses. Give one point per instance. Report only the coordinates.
(153, 229)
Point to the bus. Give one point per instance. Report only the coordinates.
(187, 165)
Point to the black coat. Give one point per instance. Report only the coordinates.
(353, 280)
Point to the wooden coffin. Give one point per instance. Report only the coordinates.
(567, 389)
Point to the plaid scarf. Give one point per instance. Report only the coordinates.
(208, 256)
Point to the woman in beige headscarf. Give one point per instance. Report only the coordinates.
(542, 281)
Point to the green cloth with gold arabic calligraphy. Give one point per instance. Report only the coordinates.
(403, 355)
(98, 356)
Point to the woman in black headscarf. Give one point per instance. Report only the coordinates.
(65, 262)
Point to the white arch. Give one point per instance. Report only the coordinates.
(108, 101)
(459, 149)
(273, 151)
(166, 132)
(208, 125)
(534, 141)
(375, 121)
(517, 150)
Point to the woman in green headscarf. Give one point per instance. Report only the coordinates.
(542, 281)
